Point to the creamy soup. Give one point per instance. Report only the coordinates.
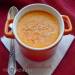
(38, 29)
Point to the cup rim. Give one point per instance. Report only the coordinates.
(32, 48)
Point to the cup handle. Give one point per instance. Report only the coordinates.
(8, 33)
(67, 20)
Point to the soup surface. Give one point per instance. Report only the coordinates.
(38, 29)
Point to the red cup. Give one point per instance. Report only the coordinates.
(38, 54)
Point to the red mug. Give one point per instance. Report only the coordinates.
(38, 54)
